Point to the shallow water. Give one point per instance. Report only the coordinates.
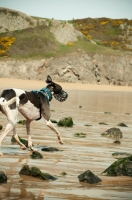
(78, 154)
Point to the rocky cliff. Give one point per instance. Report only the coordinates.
(76, 67)
(11, 20)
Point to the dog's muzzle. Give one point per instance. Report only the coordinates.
(61, 96)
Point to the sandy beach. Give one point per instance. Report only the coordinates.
(87, 105)
(19, 83)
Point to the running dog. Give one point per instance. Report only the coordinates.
(32, 105)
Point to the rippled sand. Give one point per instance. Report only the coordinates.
(87, 105)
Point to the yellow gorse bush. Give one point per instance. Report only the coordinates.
(103, 23)
(5, 44)
(117, 23)
(89, 37)
(70, 44)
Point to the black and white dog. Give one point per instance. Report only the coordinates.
(32, 105)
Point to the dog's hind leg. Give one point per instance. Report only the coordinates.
(9, 127)
(51, 126)
(23, 147)
(29, 135)
(7, 130)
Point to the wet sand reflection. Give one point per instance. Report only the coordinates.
(77, 154)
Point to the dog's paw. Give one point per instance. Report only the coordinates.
(23, 147)
(1, 154)
(33, 149)
(61, 142)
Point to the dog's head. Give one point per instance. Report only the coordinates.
(58, 93)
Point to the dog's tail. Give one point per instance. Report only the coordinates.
(3, 101)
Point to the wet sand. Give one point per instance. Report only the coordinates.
(87, 105)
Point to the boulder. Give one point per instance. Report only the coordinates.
(35, 172)
(121, 167)
(113, 133)
(3, 177)
(89, 177)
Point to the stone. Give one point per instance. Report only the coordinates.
(49, 149)
(107, 112)
(36, 155)
(35, 172)
(89, 177)
(3, 177)
(117, 142)
(63, 173)
(23, 122)
(113, 133)
(122, 124)
(81, 135)
(121, 154)
(88, 125)
(25, 142)
(1, 127)
(53, 121)
(103, 123)
(66, 121)
(121, 167)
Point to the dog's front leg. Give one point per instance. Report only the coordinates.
(50, 125)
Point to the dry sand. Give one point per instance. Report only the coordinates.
(86, 104)
(18, 83)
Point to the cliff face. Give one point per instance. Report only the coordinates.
(11, 20)
(81, 64)
(83, 68)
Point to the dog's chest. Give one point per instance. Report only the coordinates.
(29, 111)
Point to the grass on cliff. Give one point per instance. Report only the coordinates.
(39, 42)
(32, 42)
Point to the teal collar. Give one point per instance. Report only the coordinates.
(46, 92)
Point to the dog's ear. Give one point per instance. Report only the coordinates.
(49, 79)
